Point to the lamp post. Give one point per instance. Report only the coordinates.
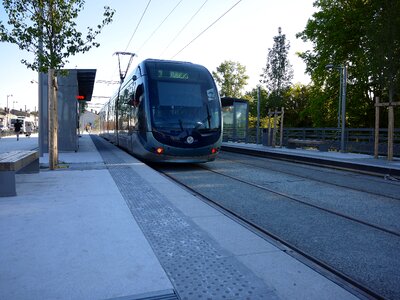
(342, 101)
(7, 110)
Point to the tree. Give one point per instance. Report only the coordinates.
(278, 73)
(296, 105)
(47, 29)
(231, 78)
(252, 98)
(364, 35)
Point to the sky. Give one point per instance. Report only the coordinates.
(205, 32)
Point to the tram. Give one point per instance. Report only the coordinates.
(165, 111)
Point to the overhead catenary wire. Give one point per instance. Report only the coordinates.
(212, 24)
(181, 30)
(184, 26)
(137, 26)
(130, 40)
(163, 21)
(190, 20)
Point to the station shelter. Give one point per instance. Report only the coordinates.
(235, 115)
(74, 87)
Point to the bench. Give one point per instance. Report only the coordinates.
(321, 145)
(20, 161)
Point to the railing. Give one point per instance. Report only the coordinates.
(358, 140)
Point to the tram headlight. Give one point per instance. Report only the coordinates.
(160, 150)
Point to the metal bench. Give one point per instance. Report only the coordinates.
(321, 145)
(13, 162)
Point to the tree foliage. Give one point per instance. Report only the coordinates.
(364, 35)
(231, 78)
(47, 28)
(278, 72)
(252, 97)
(296, 104)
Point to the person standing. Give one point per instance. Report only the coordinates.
(28, 129)
(17, 128)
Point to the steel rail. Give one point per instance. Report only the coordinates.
(348, 217)
(315, 179)
(335, 275)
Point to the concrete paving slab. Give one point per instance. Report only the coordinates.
(292, 279)
(70, 235)
(183, 199)
(233, 236)
(10, 143)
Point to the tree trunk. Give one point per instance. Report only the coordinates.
(53, 120)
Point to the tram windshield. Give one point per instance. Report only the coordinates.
(183, 97)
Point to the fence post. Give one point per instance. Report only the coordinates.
(376, 140)
(269, 127)
(390, 132)
(274, 130)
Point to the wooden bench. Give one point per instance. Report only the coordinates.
(321, 145)
(21, 161)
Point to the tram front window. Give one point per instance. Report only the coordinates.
(182, 106)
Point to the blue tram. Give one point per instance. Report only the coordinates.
(165, 111)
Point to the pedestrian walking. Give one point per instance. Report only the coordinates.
(28, 129)
(17, 128)
(88, 127)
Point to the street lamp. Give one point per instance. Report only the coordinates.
(7, 110)
(342, 100)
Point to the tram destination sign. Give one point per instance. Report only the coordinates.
(173, 74)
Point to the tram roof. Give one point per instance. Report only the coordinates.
(228, 101)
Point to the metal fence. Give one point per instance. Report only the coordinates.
(357, 140)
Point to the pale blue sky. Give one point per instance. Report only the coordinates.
(244, 34)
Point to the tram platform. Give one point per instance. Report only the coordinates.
(349, 161)
(106, 226)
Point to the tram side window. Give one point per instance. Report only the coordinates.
(135, 101)
(139, 96)
(111, 115)
(124, 111)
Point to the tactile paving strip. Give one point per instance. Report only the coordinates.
(197, 266)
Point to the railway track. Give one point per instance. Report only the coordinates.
(329, 239)
(298, 170)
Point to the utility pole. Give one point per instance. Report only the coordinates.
(342, 101)
(344, 86)
(258, 113)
